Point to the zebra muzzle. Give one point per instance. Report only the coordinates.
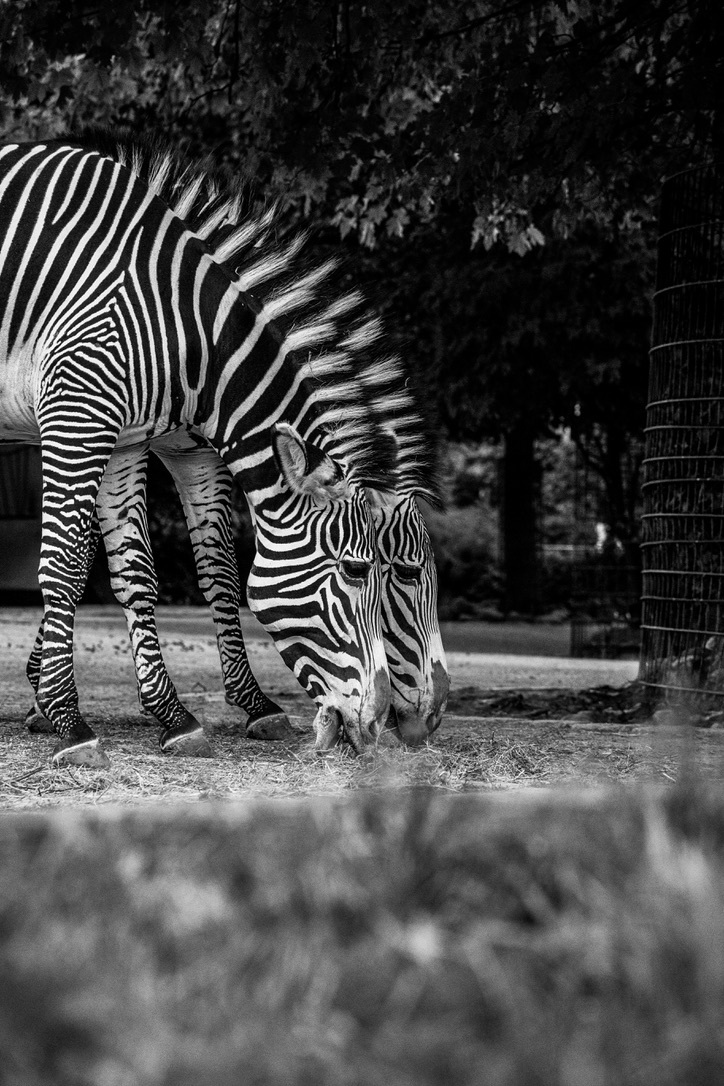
(355, 729)
(329, 729)
(334, 730)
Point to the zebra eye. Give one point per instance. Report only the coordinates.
(407, 572)
(355, 569)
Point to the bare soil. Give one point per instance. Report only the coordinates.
(549, 726)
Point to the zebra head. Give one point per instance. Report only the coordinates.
(410, 628)
(315, 586)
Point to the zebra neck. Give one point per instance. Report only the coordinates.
(251, 383)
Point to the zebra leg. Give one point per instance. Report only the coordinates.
(204, 485)
(72, 471)
(34, 719)
(121, 508)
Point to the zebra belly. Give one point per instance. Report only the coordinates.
(142, 433)
(17, 414)
(18, 379)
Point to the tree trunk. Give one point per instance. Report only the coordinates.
(519, 521)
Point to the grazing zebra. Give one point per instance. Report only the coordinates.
(410, 629)
(118, 326)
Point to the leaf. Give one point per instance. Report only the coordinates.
(397, 223)
(367, 234)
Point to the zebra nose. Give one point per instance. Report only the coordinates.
(413, 728)
(382, 692)
(376, 706)
(433, 721)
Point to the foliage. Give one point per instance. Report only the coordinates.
(544, 341)
(381, 114)
(465, 546)
(558, 339)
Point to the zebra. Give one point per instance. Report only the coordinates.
(204, 484)
(409, 621)
(118, 326)
(410, 629)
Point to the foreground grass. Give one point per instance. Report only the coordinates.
(408, 937)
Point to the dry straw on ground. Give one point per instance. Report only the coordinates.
(469, 754)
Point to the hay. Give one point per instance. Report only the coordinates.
(467, 754)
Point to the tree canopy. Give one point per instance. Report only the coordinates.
(526, 113)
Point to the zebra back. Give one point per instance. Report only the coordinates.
(340, 344)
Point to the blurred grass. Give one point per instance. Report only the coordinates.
(403, 937)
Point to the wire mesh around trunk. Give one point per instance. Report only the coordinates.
(682, 646)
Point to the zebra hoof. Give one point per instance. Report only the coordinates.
(36, 722)
(185, 741)
(88, 753)
(274, 726)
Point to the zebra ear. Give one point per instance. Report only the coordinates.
(305, 468)
(390, 444)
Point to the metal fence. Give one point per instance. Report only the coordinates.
(682, 646)
(605, 608)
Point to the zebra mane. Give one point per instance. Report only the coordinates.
(334, 339)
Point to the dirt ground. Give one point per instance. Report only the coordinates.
(513, 721)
